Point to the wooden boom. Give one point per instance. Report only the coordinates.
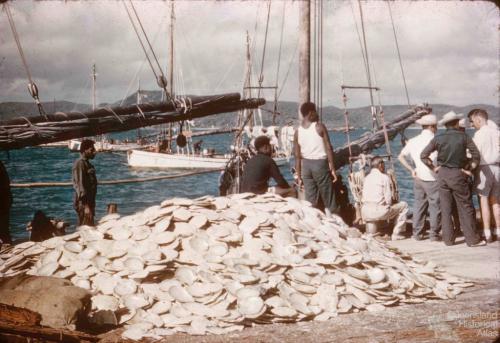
(31, 131)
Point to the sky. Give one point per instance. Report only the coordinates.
(449, 49)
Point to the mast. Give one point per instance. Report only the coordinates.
(171, 58)
(171, 66)
(304, 51)
(94, 77)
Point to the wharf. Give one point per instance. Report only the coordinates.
(474, 316)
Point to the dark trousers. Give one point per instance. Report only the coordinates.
(453, 185)
(318, 183)
(84, 219)
(4, 227)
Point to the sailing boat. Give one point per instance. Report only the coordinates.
(185, 157)
(103, 143)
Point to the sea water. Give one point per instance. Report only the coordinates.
(54, 165)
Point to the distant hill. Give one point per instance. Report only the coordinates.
(332, 116)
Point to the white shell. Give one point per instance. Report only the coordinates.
(125, 287)
(105, 302)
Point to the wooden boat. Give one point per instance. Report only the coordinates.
(148, 159)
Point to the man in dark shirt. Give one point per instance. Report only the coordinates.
(452, 146)
(260, 168)
(5, 205)
(85, 184)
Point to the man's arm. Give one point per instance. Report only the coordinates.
(426, 153)
(323, 132)
(475, 155)
(275, 173)
(298, 157)
(78, 177)
(387, 190)
(402, 159)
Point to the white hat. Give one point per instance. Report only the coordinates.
(428, 119)
(450, 116)
(462, 123)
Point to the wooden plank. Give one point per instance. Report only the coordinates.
(45, 333)
(16, 315)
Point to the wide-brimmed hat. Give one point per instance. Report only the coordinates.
(450, 116)
(428, 119)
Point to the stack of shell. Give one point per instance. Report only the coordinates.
(215, 265)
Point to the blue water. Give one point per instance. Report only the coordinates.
(54, 164)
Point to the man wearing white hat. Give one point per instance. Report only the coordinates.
(452, 146)
(487, 178)
(425, 185)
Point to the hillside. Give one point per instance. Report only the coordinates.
(332, 116)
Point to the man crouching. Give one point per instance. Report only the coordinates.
(377, 199)
(260, 168)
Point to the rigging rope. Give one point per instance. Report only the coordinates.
(32, 87)
(374, 114)
(261, 75)
(161, 80)
(399, 54)
(275, 109)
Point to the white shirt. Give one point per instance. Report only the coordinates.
(414, 148)
(487, 140)
(377, 188)
(311, 143)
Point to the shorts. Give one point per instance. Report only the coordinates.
(487, 180)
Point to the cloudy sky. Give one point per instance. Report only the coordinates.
(449, 49)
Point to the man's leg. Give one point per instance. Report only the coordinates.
(446, 203)
(484, 187)
(432, 191)
(484, 202)
(495, 199)
(4, 228)
(398, 211)
(420, 206)
(80, 213)
(495, 206)
(323, 180)
(310, 188)
(457, 181)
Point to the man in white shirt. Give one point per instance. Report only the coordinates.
(487, 178)
(314, 160)
(425, 185)
(377, 199)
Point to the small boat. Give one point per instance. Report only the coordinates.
(149, 159)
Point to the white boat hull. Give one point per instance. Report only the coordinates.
(74, 145)
(147, 159)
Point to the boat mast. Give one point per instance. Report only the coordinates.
(94, 77)
(170, 70)
(171, 58)
(304, 52)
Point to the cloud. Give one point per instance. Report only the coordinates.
(449, 49)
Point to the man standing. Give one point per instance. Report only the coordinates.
(85, 184)
(260, 168)
(425, 186)
(487, 178)
(452, 146)
(314, 164)
(377, 199)
(5, 205)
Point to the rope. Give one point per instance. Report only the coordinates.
(33, 89)
(275, 109)
(261, 76)
(112, 182)
(374, 116)
(161, 83)
(399, 54)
